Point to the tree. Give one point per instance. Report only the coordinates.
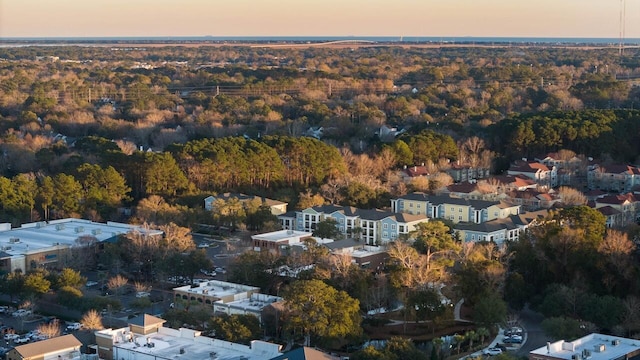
(327, 229)
(482, 332)
(427, 303)
(67, 194)
(489, 310)
(433, 238)
(92, 320)
(163, 176)
(236, 328)
(177, 238)
(571, 197)
(307, 200)
(50, 329)
(36, 283)
(104, 188)
(317, 309)
(117, 282)
(69, 277)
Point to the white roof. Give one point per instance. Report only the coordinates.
(601, 347)
(188, 344)
(255, 303)
(282, 235)
(34, 237)
(216, 288)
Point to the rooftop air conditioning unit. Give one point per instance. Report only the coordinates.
(79, 229)
(600, 348)
(14, 240)
(59, 227)
(575, 357)
(615, 342)
(96, 231)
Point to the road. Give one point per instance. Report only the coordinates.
(536, 338)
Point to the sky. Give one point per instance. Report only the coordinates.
(440, 18)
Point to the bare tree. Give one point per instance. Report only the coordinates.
(91, 320)
(50, 330)
(140, 287)
(571, 197)
(117, 282)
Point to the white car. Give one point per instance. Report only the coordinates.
(74, 326)
(21, 340)
(203, 246)
(221, 270)
(21, 313)
(142, 294)
(9, 337)
(91, 283)
(493, 351)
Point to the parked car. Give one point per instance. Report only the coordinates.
(514, 339)
(493, 351)
(91, 283)
(4, 309)
(21, 313)
(142, 294)
(74, 326)
(9, 337)
(203, 245)
(221, 270)
(21, 340)
(208, 272)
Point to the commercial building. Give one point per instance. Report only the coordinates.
(592, 347)
(147, 338)
(278, 242)
(226, 298)
(49, 244)
(61, 347)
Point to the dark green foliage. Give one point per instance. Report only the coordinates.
(236, 328)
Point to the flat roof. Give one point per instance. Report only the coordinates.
(602, 347)
(255, 303)
(282, 235)
(187, 344)
(217, 288)
(34, 237)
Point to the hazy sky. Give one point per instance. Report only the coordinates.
(531, 18)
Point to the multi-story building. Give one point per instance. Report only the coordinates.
(374, 226)
(627, 205)
(616, 178)
(499, 230)
(538, 172)
(453, 209)
(460, 173)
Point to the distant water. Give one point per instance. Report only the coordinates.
(298, 39)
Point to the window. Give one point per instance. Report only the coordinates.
(410, 204)
(460, 210)
(451, 217)
(460, 218)
(385, 234)
(385, 226)
(418, 206)
(495, 214)
(453, 209)
(393, 226)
